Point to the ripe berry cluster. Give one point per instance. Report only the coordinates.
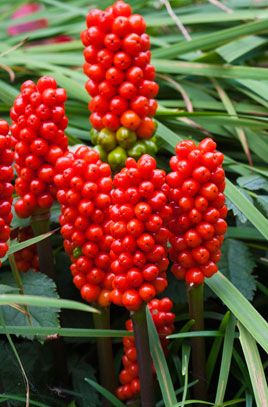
(84, 184)
(129, 377)
(6, 188)
(27, 258)
(38, 126)
(139, 252)
(121, 80)
(197, 182)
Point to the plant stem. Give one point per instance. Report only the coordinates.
(40, 225)
(196, 311)
(105, 352)
(15, 272)
(143, 356)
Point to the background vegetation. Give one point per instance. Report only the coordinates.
(211, 62)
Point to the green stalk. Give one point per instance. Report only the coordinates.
(143, 356)
(15, 272)
(196, 312)
(105, 352)
(40, 223)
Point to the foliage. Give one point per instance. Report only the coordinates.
(213, 84)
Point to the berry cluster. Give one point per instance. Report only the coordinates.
(84, 184)
(6, 188)
(27, 258)
(38, 126)
(129, 377)
(121, 82)
(197, 182)
(139, 251)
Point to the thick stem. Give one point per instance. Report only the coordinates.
(196, 311)
(40, 224)
(105, 352)
(144, 357)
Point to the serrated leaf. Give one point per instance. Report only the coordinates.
(232, 207)
(4, 289)
(253, 182)
(33, 284)
(263, 202)
(237, 264)
(81, 369)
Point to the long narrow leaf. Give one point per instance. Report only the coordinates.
(160, 364)
(38, 301)
(255, 367)
(240, 307)
(105, 393)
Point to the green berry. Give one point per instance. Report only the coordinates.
(125, 137)
(77, 251)
(101, 151)
(151, 147)
(117, 158)
(94, 135)
(107, 139)
(137, 150)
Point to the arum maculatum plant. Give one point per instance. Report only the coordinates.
(127, 224)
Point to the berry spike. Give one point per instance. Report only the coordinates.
(26, 259)
(84, 184)
(39, 121)
(163, 319)
(121, 83)
(197, 183)
(139, 251)
(6, 187)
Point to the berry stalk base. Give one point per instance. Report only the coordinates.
(105, 353)
(196, 312)
(40, 224)
(143, 356)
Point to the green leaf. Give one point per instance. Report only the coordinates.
(209, 70)
(186, 350)
(196, 334)
(13, 397)
(248, 209)
(64, 332)
(255, 367)
(80, 369)
(15, 247)
(263, 202)
(240, 307)
(253, 182)
(105, 393)
(211, 40)
(33, 284)
(160, 364)
(237, 264)
(226, 360)
(215, 348)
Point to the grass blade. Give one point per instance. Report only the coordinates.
(160, 364)
(38, 301)
(226, 360)
(105, 393)
(254, 365)
(240, 307)
(64, 332)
